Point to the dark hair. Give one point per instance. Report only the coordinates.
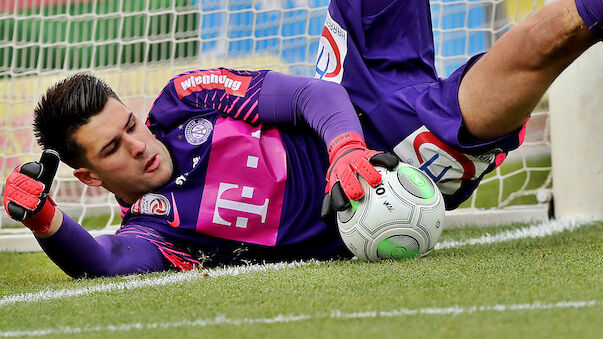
(65, 107)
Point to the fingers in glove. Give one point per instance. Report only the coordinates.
(339, 200)
(367, 171)
(15, 211)
(327, 213)
(50, 163)
(351, 185)
(21, 198)
(387, 160)
(32, 169)
(24, 183)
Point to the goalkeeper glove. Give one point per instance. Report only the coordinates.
(349, 157)
(26, 192)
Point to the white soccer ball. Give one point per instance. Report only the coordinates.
(400, 218)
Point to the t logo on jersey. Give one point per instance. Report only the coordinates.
(332, 49)
(215, 79)
(239, 206)
(244, 185)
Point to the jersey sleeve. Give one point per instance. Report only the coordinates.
(254, 97)
(324, 106)
(79, 254)
(233, 93)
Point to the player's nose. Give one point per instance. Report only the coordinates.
(135, 146)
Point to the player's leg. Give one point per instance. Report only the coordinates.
(499, 92)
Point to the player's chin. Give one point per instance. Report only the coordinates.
(160, 176)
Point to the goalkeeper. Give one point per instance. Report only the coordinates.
(229, 166)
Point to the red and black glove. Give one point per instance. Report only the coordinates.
(349, 158)
(26, 192)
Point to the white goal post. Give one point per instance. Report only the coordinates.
(137, 46)
(576, 105)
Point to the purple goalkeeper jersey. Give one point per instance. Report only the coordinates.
(237, 183)
(382, 53)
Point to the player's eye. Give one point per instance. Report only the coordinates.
(132, 128)
(113, 148)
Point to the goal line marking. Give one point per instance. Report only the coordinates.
(136, 281)
(335, 314)
(540, 230)
(543, 229)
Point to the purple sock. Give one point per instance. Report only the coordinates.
(591, 12)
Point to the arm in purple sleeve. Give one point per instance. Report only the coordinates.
(324, 105)
(79, 254)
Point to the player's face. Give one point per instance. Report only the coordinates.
(123, 155)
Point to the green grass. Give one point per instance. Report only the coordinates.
(563, 267)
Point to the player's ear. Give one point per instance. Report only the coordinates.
(87, 176)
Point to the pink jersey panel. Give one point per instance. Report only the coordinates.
(245, 183)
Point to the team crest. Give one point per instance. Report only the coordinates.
(197, 131)
(151, 204)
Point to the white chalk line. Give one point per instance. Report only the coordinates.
(540, 230)
(536, 231)
(280, 319)
(138, 282)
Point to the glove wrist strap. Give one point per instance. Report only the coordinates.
(341, 141)
(40, 222)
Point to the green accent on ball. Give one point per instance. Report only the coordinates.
(420, 180)
(417, 180)
(393, 250)
(354, 206)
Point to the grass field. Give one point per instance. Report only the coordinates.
(504, 285)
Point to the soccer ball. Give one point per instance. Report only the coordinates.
(400, 218)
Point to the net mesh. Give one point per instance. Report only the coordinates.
(137, 46)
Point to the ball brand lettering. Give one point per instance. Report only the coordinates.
(388, 205)
(379, 189)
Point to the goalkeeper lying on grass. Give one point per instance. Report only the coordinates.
(229, 166)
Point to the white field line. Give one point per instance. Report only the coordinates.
(541, 230)
(279, 319)
(536, 231)
(138, 282)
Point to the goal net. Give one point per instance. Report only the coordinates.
(137, 46)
